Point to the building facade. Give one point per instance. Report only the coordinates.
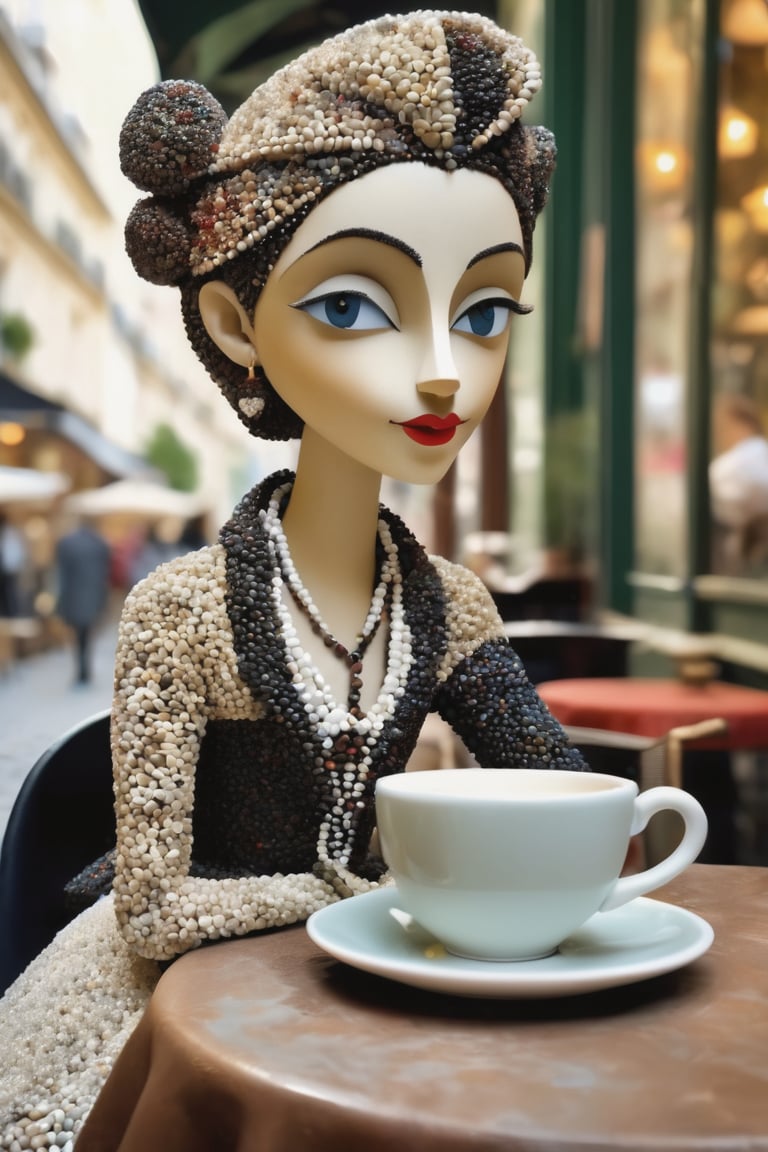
(93, 359)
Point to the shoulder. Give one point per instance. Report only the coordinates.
(192, 585)
(471, 616)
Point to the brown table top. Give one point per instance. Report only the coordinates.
(268, 1044)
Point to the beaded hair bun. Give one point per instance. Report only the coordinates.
(443, 88)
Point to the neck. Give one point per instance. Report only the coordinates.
(331, 526)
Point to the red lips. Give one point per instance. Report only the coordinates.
(430, 429)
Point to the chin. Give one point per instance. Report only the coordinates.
(423, 472)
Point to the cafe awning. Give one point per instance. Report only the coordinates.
(137, 499)
(30, 486)
(21, 406)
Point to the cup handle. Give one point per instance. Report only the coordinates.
(646, 805)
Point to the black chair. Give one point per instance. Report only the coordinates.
(650, 762)
(563, 598)
(559, 649)
(62, 819)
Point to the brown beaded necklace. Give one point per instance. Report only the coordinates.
(352, 658)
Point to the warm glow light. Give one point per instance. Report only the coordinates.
(666, 162)
(746, 22)
(12, 434)
(737, 135)
(663, 165)
(757, 279)
(755, 204)
(751, 321)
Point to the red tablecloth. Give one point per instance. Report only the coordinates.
(649, 707)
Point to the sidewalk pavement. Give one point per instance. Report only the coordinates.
(39, 702)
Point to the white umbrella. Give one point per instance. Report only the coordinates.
(28, 485)
(138, 498)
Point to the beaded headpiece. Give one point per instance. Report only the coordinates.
(442, 88)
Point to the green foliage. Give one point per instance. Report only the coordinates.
(571, 478)
(168, 452)
(16, 335)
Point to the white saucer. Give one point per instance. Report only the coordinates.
(644, 938)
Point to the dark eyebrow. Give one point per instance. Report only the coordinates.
(486, 252)
(370, 234)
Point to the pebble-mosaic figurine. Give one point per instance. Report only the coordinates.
(350, 248)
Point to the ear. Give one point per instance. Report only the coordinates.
(227, 323)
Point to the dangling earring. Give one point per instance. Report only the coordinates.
(251, 406)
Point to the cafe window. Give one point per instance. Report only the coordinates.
(669, 53)
(738, 479)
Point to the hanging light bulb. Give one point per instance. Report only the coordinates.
(737, 133)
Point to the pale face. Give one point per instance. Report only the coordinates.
(385, 322)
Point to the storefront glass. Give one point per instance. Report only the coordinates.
(670, 36)
(739, 302)
(525, 365)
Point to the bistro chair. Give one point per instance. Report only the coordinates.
(62, 820)
(651, 762)
(561, 649)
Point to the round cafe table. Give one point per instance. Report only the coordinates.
(267, 1044)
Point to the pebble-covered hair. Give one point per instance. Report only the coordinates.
(443, 88)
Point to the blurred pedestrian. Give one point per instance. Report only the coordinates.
(738, 482)
(83, 570)
(13, 559)
(157, 547)
(193, 534)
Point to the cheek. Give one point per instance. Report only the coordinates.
(311, 366)
(480, 370)
(312, 378)
(287, 352)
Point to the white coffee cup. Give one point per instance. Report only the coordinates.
(504, 864)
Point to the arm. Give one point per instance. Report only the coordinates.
(484, 693)
(175, 668)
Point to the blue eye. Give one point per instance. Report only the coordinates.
(486, 318)
(348, 310)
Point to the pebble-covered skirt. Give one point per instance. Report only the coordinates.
(63, 1022)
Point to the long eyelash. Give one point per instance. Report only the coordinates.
(506, 302)
(502, 302)
(329, 296)
(318, 299)
(518, 308)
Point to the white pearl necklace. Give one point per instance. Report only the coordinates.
(347, 780)
(389, 571)
(389, 588)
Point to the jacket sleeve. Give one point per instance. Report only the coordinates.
(174, 655)
(484, 692)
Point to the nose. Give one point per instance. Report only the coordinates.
(438, 375)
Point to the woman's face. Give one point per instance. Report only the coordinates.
(385, 322)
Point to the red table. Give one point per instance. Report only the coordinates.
(648, 707)
(652, 708)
